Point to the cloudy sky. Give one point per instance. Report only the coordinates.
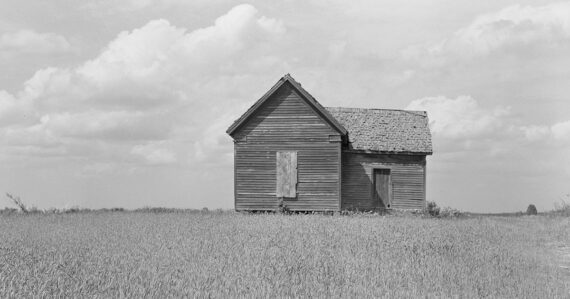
(125, 103)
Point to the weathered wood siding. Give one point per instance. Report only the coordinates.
(285, 122)
(407, 176)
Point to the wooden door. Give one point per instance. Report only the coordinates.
(382, 187)
(286, 175)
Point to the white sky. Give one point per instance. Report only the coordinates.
(126, 103)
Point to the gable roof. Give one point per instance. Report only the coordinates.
(304, 95)
(385, 130)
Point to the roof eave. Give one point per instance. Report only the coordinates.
(362, 151)
(238, 122)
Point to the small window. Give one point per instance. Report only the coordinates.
(286, 175)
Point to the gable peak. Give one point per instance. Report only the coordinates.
(303, 93)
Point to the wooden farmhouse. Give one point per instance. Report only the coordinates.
(290, 150)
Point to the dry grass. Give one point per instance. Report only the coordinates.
(212, 254)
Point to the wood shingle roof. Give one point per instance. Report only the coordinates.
(385, 130)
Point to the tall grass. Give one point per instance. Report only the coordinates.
(213, 254)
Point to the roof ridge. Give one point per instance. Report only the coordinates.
(354, 109)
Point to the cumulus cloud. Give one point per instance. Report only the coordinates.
(479, 148)
(461, 117)
(135, 55)
(110, 7)
(514, 29)
(535, 132)
(104, 125)
(212, 145)
(154, 153)
(463, 126)
(30, 41)
(560, 132)
(507, 144)
(151, 93)
(271, 25)
(8, 108)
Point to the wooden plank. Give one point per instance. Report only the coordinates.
(339, 176)
(286, 165)
(425, 186)
(235, 178)
(293, 175)
(282, 178)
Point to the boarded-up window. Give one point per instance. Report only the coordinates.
(287, 174)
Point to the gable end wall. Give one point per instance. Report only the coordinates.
(285, 122)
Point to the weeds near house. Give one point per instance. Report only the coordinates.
(226, 254)
(18, 202)
(433, 210)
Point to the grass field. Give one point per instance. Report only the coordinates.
(215, 254)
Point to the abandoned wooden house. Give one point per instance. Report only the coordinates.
(290, 150)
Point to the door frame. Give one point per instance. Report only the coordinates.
(373, 189)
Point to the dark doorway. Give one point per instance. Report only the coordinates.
(382, 187)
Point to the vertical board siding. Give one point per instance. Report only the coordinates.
(286, 123)
(407, 176)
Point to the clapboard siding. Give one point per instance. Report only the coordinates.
(407, 174)
(285, 122)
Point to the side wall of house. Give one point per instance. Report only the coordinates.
(285, 122)
(407, 180)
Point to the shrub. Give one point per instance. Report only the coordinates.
(432, 209)
(8, 211)
(282, 207)
(531, 210)
(73, 209)
(447, 212)
(150, 210)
